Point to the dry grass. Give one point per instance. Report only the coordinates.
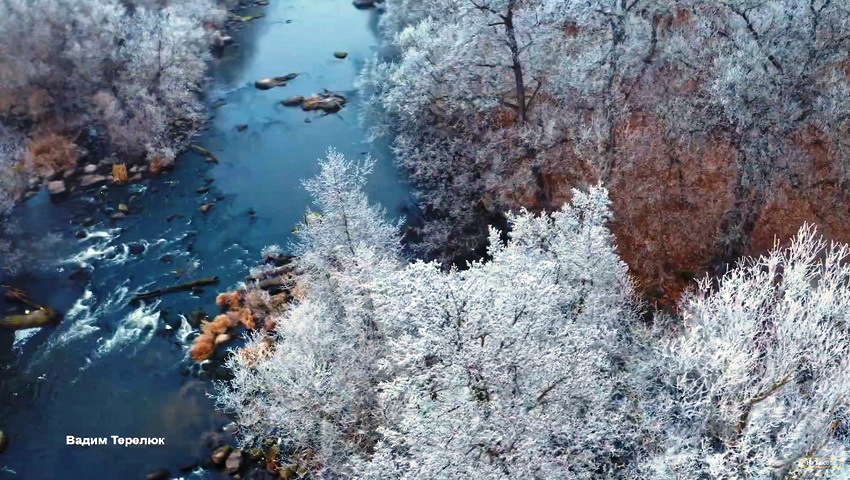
(50, 153)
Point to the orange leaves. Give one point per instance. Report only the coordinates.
(229, 300)
(50, 153)
(203, 347)
(119, 173)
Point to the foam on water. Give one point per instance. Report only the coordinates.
(136, 329)
(21, 336)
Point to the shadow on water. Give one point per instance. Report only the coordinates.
(113, 369)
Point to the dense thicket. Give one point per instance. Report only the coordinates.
(716, 125)
(117, 80)
(535, 363)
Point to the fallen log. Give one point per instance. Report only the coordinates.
(203, 151)
(43, 317)
(175, 288)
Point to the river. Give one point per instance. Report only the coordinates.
(112, 369)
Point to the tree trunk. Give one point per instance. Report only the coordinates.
(516, 65)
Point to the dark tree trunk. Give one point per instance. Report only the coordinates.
(516, 65)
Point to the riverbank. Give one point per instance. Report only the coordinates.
(113, 369)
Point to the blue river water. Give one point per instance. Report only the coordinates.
(114, 369)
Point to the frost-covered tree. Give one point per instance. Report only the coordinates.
(123, 68)
(11, 182)
(314, 387)
(759, 378)
(514, 367)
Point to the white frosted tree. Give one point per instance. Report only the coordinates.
(515, 367)
(314, 387)
(768, 72)
(11, 183)
(759, 378)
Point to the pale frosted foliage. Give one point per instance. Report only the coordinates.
(772, 67)
(760, 377)
(11, 183)
(506, 369)
(316, 389)
(133, 71)
(345, 221)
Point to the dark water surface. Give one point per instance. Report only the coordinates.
(112, 369)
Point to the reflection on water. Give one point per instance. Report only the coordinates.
(115, 369)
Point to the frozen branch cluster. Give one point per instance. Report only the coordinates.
(485, 98)
(535, 363)
(132, 72)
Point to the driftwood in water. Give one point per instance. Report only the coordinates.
(175, 288)
(41, 317)
(203, 151)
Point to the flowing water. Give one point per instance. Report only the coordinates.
(114, 369)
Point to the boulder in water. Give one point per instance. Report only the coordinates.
(340, 54)
(88, 180)
(57, 188)
(220, 455)
(326, 101)
(4, 441)
(292, 101)
(269, 83)
(233, 462)
(364, 4)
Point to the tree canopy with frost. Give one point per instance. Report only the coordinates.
(516, 366)
(759, 377)
(314, 387)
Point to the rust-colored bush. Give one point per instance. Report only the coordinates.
(218, 325)
(50, 153)
(203, 347)
(254, 353)
(229, 300)
(246, 318)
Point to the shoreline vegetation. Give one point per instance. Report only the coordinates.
(632, 316)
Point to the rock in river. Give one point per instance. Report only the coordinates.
(326, 101)
(136, 248)
(233, 462)
(292, 101)
(340, 54)
(88, 180)
(219, 456)
(269, 83)
(4, 441)
(57, 188)
(364, 4)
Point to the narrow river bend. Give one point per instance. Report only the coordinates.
(112, 369)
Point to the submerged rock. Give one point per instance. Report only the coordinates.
(220, 455)
(136, 248)
(161, 474)
(88, 180)
(269, 83)
(292, 101)
(340, 54)
(4, 441)
(364, 4)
